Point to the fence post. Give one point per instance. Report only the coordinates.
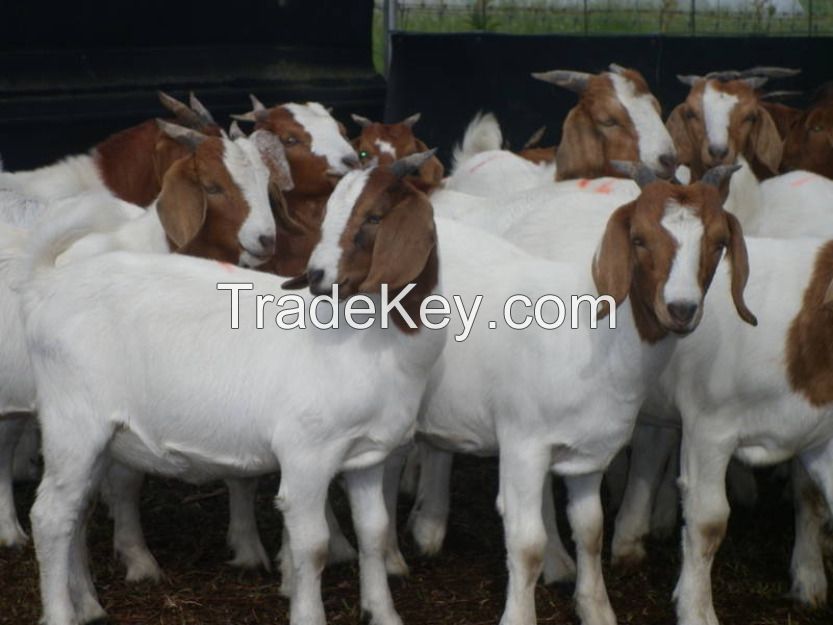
(692, 20)
(388, 26)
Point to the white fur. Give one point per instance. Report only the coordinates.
(68, 177)
(385, 147)
(483, 134)
(717, 107)
(327, 253)
(687, 230)
(654, 139)
(327, 141)
(92, 326)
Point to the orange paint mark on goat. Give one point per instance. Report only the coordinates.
(227, 266)
(605, 187)
(802, 181)
(488, 160)
(583, 183)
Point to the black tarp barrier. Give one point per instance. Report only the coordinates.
(450, 77)
(71, 73)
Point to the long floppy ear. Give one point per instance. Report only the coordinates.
(274, 156)
(613, 263)
(740, 268)
(686, 151)
(765, 143)
(793, 142)
(432, 171)
(580, 153)
(403, 244)
(181, 205)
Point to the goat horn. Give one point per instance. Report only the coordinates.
(637, 171)
(716, 176)
(183, 114)
(616, 68)
(756, 82)
(412, 120)
(410, 164)
(257, 105)
(363, 122)
(258, 112)
(235, 132)
(535, 138)
(200, 109)
(689, 79)
(188, 137)
(574, 81)
(771, 72)
(777, 95)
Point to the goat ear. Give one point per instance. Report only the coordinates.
(580, 153)
(740, 268)
(273, 154)
(679, 135)
(298, 282)
(765, 143)
(188, 137)
(404, 242)
(432, 171)
(613, 263)
(181, 205)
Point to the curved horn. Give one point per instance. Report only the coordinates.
(716, 176)
(183, 114)
(412, 120)
(410, 164)
(689, 79)
(258, 112)
(363, 122)
(200, 109)
(188, 137)
(637, 171)
(574, 81)
(535, 138)
(778, 95)
(771, 72)
(235, 132)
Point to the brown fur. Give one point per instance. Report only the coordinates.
(539, 155)
(637, 253)
(598, 130)
(782, 115)
(307, 201)
(810, 339)
(132, 162)
(400, 249)
(809, 144)
(401, 138)
(752, 132)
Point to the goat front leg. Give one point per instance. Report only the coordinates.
(523, 472)
(587, 522)
(365, 488)
(651, 449)
(11, 429)
(394, 560)
(121, 490)
(302, 498)
(809, 580)
(429, 518)
(242, 535)
(703, 464)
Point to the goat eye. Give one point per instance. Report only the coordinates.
(289, 140)
(689, 114)
(609, 123)
(751, 118)
(373, 219)
(213, 189)
(816, 128)
(638, 241)
(363, 154)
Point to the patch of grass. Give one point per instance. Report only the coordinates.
(638, 17)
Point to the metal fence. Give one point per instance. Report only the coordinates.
(604, 17)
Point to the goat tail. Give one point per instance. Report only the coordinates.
(56, 234)
(482, 134)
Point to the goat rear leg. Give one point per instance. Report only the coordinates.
(11, 429)
(122, 491)
(559, 566)
(809, 580)
(242, 536)
(429, 517)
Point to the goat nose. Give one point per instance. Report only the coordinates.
(267, 241)
(718, 152)
(315, 276)
(682, 312)
(668, 161)
(352, 161)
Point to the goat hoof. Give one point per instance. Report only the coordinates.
(395, 564)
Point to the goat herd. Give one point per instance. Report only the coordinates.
(141, 295)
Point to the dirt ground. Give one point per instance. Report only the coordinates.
(465, 585)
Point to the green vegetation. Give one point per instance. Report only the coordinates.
(482, 15)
